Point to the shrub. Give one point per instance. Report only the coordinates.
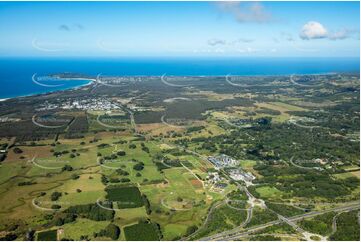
(121, 153)
(146, 203)
(67, 168)
(92, 212)
(139, 166)
(17, 150)
(112, 231)
(191, 230)
(75, 176)
(55, 196)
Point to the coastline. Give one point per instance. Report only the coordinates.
(90, 81)
(17, 70)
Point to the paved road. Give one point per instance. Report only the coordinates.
(171, 125)
(251, 201)
(131, 114)
(216, 205)
(163, 79)
(311, 127)
(302, 167)
(190, 171)
(334, 223)
(236, 233)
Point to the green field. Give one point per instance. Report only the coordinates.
(125, 197)
(49, 235)
(268, 192)
(142, 232)
(156, 182)
(82, 227)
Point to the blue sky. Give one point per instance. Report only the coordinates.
(272, 29)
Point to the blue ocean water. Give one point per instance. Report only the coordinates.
(16, 73)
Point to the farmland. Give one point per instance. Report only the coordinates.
(142, 231)
(141, 171)
(49, 235)
(125, 197)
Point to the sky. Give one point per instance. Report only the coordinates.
(217, 29)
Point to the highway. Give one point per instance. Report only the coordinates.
(216, 205)
(238, 232)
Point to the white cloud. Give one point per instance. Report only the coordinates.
(248, 50)
(246, 12)
(287, 36)
(214, 42)
(313, 30)
(342, 34)
(242, 40)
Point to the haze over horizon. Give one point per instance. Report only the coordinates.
(209, 29)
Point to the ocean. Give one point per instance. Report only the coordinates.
(16, 73)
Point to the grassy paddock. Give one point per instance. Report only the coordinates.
(126, 197)
(268, 191)
(49, 235)
(141, 232)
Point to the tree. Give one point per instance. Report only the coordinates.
(122, 172)
(112, 231)
(9, 237)
(67, 168)
(55, 196)
(92, 212)
(75, 176)
(29, 236)
(146, 203)
(121, 153)
(2, 157)
(139, 166)
(191, 230)
(17, 150)
(104, 180)
(125, 180)
(114, 180)
(145, 149)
